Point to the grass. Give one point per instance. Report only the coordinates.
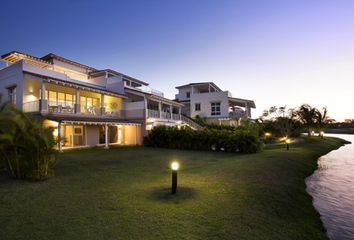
(124, 193)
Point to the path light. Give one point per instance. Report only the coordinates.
(321, 134)
(174, 167)
(287, 141)
(267, 134)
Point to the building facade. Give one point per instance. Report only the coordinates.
(86, 106)
(208, 101)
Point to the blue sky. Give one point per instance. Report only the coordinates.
(274, 52)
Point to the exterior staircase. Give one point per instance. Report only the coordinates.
(188, 121)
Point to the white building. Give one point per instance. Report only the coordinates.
(86, 106)
(208, 101)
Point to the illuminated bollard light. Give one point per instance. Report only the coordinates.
(174, 167)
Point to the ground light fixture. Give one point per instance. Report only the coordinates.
(321, 134)
(287, 141)
(174, 167)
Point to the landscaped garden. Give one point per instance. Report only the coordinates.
(124, 193)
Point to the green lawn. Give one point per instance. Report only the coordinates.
(124, 193)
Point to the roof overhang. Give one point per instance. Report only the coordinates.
(200, 83)
(241, 102)
(15, 56)
(76, 85)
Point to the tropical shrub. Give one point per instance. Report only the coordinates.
(207, 139)
(26, 147)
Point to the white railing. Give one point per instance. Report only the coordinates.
(153, 113)
(176, 116)
(31, 106)
(165, 115)
(191, 123)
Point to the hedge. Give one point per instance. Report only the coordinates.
(208, 139)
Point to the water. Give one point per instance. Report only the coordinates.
(332, 189)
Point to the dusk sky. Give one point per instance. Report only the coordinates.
(273, 52)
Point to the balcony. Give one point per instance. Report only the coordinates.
(162, 115)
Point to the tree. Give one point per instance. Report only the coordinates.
(308, 116)
(26, 147)
(280, 120)
(322, 119)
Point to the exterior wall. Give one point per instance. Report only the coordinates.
(12, 76)
(92, 135)
(182, 93)
(205, 99)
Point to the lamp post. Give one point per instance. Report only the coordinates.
(287, 141)
(174, 167)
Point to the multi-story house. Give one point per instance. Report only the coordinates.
(86, 106)
(208, 101)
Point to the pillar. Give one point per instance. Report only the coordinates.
(160, 110)
(59, 138)
(136, 133)
(43, 101)
(146, 108)
(179, 113)
(103, 110)
(77, 101)
(106, 136)
(171, 110)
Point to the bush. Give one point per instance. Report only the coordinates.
(26, 147)
(208, 139)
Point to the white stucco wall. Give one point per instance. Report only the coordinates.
(182, 93)
(12, 76)
(205, 100)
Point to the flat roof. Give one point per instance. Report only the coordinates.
(242, 102)
(199, 83)
(113, 72)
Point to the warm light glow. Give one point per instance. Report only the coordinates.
(288, 141)
(268, 134)
(175, 166)
(55, 132)
(321, 133)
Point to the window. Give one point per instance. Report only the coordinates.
(215, 108)
(188, 94)
(12, 95)
(197, 107)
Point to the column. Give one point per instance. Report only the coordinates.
(106, 136)
(160, 110)
(248, 110)
(43, 102)
(171, 110)
(103, 110)
(192, 89)
(180, 112)
(136, 132)
(77, 101)
(59, 137)
(145, 108)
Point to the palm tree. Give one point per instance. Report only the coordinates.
(26, 147)
(307, 115)
(321, 119)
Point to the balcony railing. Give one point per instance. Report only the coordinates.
(90, 110)
(176, 116)
(31, 106)
(153, 113)
(60, 107)
(165, 115)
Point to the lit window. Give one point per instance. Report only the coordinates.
(215, 108)
(197, 107)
